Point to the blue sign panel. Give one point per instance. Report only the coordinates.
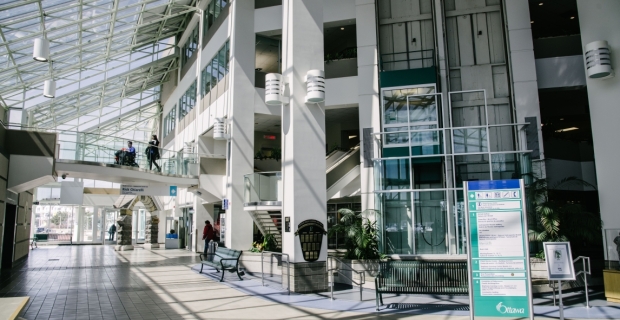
(225, 204)
(173, 191)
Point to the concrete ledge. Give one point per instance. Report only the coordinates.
(123, 248)
(150, 246)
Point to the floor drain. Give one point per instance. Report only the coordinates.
(53, 259)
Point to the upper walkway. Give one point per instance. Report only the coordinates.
(41, 157)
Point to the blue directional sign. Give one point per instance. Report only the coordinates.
(173, 191)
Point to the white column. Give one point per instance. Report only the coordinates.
(368, 91)
(598, 20)
(523, 70)
(241, 119)
(303, 125)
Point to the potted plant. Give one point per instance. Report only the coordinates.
(361, 241)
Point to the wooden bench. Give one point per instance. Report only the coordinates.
(421, 277)
(38, 237)
(223, 259)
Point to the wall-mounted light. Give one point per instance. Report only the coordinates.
(274, 89)
(49, 88)
(219, 129)
(315, 82)
(598, 60)
(41, 51)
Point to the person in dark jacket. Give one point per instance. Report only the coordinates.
(112, 231)
(207, 234)
(152, 153)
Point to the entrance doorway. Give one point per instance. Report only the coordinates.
(188, 216)
(9, 236)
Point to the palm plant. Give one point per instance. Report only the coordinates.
(560, 221)
(361, 234)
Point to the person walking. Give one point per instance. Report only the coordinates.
(152, 153)
(112, 231)
(207, 235)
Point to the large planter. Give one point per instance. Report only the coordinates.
(370, 268)
(611, 278)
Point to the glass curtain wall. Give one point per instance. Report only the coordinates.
(428, 149)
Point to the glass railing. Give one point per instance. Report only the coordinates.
(263, 187)
(169, 162)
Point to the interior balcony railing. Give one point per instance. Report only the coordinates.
(174, 163)
(407, 60)
(263, 189)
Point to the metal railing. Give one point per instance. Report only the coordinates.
(332, 272)
(408, 60)
(585, 261)
(288, 268)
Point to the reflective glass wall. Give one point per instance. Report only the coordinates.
(428, 147)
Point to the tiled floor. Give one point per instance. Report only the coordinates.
(95, 282)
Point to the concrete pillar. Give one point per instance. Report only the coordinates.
(303, 140)
(523, 71)
(241, 121)
(598, 20)
(368, 91)
(151, 234)
(123, 232)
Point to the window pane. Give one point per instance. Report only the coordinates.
(430, 210)
(395, 223)
(470, 140)
(222, 66)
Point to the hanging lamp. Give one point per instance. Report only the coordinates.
(49, 88)
(41, 50)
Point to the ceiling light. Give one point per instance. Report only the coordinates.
(540, 4)
(561, 119)
(567, 129)
(41, 50)
(341, 28)
(532, 21)
(49, 88)
(353, 136)
(572, 17)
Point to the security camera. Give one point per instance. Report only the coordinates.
(64, 176)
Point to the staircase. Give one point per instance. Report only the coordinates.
(263, 198)
(269, 222)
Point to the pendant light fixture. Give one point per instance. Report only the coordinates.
(49, 88)
(41, 50)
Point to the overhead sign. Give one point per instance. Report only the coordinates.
(148, 190)
(225, 204)
(559, 261)
(498, 255)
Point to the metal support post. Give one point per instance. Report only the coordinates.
(560, 297)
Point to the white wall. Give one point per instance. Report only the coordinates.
(599, 21)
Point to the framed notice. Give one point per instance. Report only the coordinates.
(559, 261)
(498, 256)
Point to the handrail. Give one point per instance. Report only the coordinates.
(361, 274)
(288, 268)
(553, 285)
(585, 275)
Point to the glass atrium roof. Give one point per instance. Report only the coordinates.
(108, 58)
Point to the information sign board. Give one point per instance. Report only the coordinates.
(498, 255)
(559, 261)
